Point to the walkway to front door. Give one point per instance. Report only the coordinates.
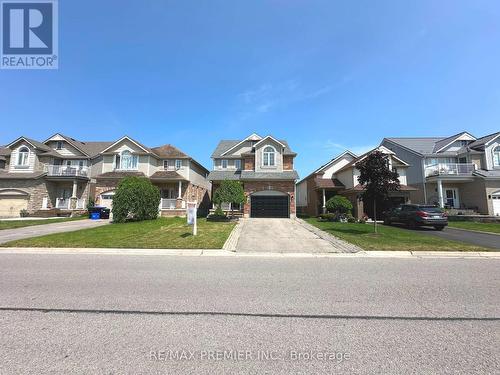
(281, 235)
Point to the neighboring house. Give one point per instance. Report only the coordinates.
(60, 175)
(340, 176)
(460, 172)
(264, 165)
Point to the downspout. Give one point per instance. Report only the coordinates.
(423, 175)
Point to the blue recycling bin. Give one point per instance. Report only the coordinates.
(95, 215)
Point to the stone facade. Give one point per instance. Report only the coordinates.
(36, 190)
(249, 163)
(287, 187)
(288, 162)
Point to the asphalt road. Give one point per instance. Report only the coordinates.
(114, 314)
(7, 235)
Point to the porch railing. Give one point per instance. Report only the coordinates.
(62, 203)
(449, 169)
(66, 170)
(168, 204)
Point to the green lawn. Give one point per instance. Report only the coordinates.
(471, 225)
(390, 238)
(167, 233)
(12, 224)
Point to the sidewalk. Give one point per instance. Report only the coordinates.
(226, 253)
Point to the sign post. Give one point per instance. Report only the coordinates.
(192, 208)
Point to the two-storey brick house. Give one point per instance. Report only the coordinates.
(60, 175)
(264, 165)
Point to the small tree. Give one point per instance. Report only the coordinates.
(229, 191)
(136, 199)
(339, 205)
(377, 179)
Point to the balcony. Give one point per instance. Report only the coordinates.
(449, 169)
(66, 171)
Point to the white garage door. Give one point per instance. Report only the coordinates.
(496, 203)
(11, 206)
(107, 199)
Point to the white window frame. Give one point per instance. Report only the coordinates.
(496, 156)
(266, 156)
(178, 163)
(237, 164)
(59, 145)
(166, 164)
(26, 159)
(134, 161)
(224, 163)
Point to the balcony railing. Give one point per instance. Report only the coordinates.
(449, 169)
(168, 204)
(62, 203)
(66, 170)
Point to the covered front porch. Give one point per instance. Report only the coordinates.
(173, 196)
(453, 193)
(66, 194)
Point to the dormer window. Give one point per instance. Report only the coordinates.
(237, 164)
(178, 164)
(224, 164)
(59, 145)
(23, 157)
(269, 157)
(496, 156)
(464, 143)
(126, 161)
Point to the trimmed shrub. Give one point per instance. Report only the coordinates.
(24, 213)
(339, 205)
(327, 217)
(136, 199)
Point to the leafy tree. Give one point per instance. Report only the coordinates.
(90, 204)
(136, 199)
(377, 179)
(229, 191)
(339, 205)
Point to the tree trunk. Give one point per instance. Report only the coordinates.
(375, 215)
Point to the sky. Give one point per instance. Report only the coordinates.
(323, 75)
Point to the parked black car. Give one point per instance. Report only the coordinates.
(414, 215)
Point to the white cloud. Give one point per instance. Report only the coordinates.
(357, 149)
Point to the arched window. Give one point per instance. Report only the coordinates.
(23, 156)
(496, 156)
(128, 161)
(269, 157)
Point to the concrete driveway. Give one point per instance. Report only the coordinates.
(41, 230)
(281, 235)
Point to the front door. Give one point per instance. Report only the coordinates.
(451, 198)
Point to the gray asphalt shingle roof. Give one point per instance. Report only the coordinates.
(226, 144)
(484, 173)
(479, 143)
(422, 145)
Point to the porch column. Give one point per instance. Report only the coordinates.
(179, 195)
(73, 199)
(440, 193)
(324, 201)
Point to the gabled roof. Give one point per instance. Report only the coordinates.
(362, 157)
(225, 145)
(484, 141)
(251, 137)
(443, 143)
(126, 137)
(73, 142)
(272, 138)
(326, 165)
(32, 142)
(169, 151)
(419, 145)
(5, 151)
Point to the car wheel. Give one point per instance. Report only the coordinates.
(387, 221)
(439, 227)
(412, 224)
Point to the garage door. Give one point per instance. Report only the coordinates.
(269, 206)
(496, 204)
(11, 206)
(107, 199)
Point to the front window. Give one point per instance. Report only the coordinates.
(496, 156)
(237, 164)
(166, 164)
(22, 157)
(269, 157)
(128, 161)
(178, 164)
(224, 163)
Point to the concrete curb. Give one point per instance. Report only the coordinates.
(226, 253)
